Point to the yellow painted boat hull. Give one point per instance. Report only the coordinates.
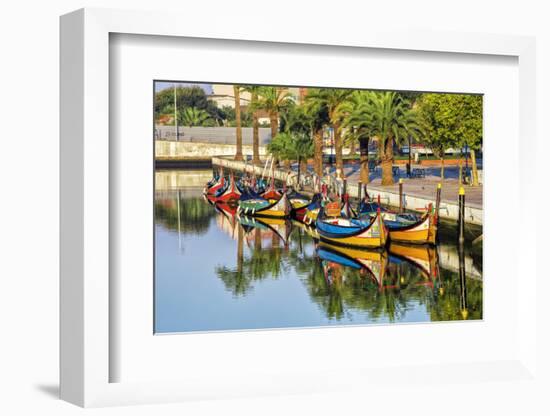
(424, 232)
(374, 242)
(272, 214)
(372, 237)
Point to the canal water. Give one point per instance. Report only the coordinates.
(215, 271)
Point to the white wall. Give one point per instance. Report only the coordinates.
(29, 207)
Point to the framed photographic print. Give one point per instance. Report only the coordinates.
(282, 187)
(274, 224)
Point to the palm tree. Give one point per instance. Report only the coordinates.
(296, 121)
(390, 118)
(358, 129)
(254, 90)
(317, 118)
(281, 147)
(239, 132)
(304, 149)
(192, 116)
(333, 99)
(272, 100)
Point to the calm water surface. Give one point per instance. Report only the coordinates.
(214, 271)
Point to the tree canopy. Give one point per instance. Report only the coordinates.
(452, 120)
(186, 97)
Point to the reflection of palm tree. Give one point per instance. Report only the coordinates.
(195, 214)
(274, 240)
(257, 239)
(236, 280)
(261, 264)
(240, 247)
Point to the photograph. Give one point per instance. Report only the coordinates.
(279, 207)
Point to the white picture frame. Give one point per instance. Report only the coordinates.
(85, 211)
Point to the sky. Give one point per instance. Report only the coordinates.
(161, 85)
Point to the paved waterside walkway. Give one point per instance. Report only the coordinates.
(418, 193)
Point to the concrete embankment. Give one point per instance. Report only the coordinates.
(167, 180)
(185, 151)
(412, 201)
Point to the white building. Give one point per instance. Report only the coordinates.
(224, 96)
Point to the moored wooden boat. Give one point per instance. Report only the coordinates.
(368, 233)
(368, 207)
(405, 227)
(214, 184)
(271, 193)
(299, 205)
(264, 208)
(424, 231)
(229, 193)
(312, 210)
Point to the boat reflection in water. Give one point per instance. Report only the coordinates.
(218, 270)
(384, 267)
(370, 263)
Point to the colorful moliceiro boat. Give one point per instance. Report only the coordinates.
(424, 231)
(264, 208)
(299, 205)
(406, 228)
(228, 193)
(368, 233)
(214, 184)
(311, 212)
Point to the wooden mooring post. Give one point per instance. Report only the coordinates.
(437, 201)
(359, 185)
(461, 208)
(400, 194)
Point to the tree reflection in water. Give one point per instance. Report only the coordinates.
(383, 287)
(194, 214)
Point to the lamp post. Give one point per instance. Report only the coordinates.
(176, 113)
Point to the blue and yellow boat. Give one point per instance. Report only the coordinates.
(404, 227)
(335, 229)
